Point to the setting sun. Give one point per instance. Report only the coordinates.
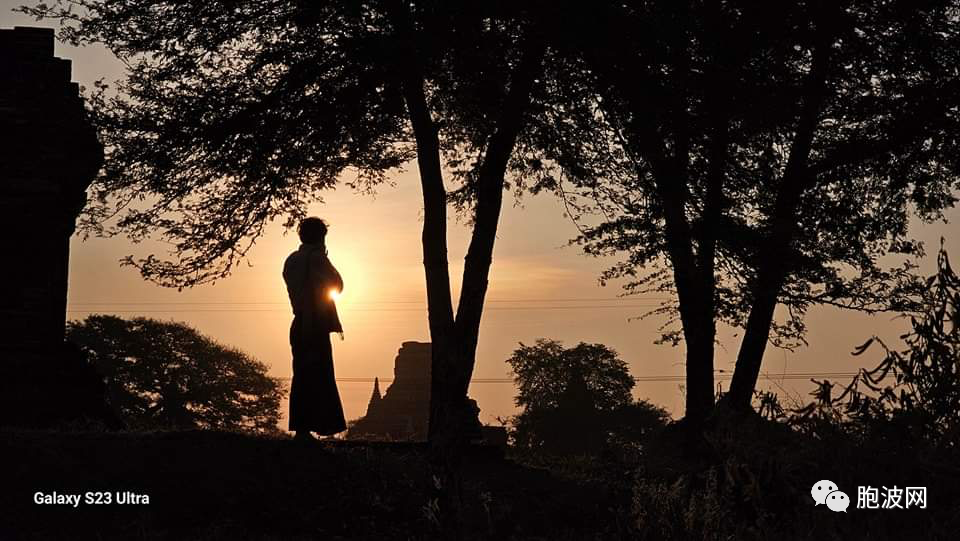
(334, 294)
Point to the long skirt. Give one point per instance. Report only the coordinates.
(314, 400)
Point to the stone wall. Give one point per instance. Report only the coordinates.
(49, 154)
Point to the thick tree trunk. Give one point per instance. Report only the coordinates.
(699, 371)
(693, 280)
(444, 457)
(693, 275)
(695, 296)
(455, 339)
(434, 235)
(776, 255)
(451, 414)
(713, 210)
(701, 334)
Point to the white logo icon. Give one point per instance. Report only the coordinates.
(826, 492)
(838, 501)
(821, 489)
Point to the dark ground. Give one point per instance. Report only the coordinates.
(748, 483)
(217, 485)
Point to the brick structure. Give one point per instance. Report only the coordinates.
(49, 154)
(404, 410)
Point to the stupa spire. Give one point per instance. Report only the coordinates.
(375, 398)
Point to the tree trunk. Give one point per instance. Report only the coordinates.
(776, 254)
(699, 372)
(693, 274)
(436, 272)
(750, 356)
(454, 340)
(693, 280)
(451, 415)
(492, 171)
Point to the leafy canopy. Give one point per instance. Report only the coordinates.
(167, 375)
(703, 104)
(572, 399)
(912, 394)
(234, 114)
(544, 370)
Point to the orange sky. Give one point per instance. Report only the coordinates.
(375, 243)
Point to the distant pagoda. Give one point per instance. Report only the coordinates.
(402, 413)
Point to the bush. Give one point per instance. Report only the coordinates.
(168, 375)
(576, 400)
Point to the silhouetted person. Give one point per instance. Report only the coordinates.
(311, 282)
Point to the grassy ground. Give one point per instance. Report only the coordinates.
(753, 480)
(215, 485)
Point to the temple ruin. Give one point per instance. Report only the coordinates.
(403, 412)
(49, 154)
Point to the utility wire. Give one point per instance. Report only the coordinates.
(638, 379)
(596, 299)
(350, 309)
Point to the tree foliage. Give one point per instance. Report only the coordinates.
(912, 394)
(741, 155)
(167, 375)
(235, 114)
(745, 155)
(573, 399)
(232, 115)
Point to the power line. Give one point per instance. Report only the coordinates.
(389, 380)
(639, 379)
(361, 306)
(145, 303)
(350, 309)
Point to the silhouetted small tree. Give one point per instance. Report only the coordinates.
(168, 375)
(573, 399)
(912, 394)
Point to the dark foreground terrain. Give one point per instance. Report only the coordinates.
(751, 482)
(216, 485)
